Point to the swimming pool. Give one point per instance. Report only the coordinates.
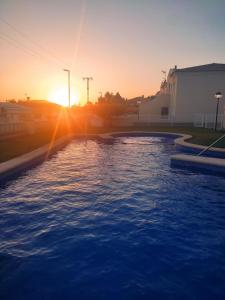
(113, 221)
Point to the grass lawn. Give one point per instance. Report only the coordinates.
(20, 145)
(200, 136)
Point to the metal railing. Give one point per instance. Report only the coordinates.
(11, 128)
(211, 145)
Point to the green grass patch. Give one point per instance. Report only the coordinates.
(17, 146)
(200, 136)
(20, 145)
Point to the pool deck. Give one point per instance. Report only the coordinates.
(181, 143)
(212, 165)
(23, 162)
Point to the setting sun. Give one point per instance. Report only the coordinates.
(60, 96)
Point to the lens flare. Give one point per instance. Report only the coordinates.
(60, 96)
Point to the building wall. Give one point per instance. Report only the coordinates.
(187, 94)
(171, 90)
(195, 94)
(125, 120)
(154, 106)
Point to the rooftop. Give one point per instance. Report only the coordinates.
(203, 68)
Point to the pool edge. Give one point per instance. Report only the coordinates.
(21, 163)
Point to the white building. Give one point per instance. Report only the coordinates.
(187, 96)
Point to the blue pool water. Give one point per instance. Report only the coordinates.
(101, 221)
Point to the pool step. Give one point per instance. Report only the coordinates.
(199, 163)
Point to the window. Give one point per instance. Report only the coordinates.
(164, 111)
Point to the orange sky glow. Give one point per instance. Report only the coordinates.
(123, 45)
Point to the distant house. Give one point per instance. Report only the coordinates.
(13, 118)
(12, 112)
(42, 110)
(26, 116)
(187, 95)
(136, 100)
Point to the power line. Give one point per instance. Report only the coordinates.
(79, 33)
(16, 44)
(20, 46)
(24, 35)
(27, 49)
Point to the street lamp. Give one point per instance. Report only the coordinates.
(218, 96)
(138, 102)
(68, 71)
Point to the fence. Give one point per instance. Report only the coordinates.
(200, 120)
(129, 120)
(12, 128)
(208, 120)
(17, 128)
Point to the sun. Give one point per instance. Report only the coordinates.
(59, 95)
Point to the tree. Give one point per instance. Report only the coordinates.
(111, 98)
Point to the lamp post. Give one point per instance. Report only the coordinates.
(138, 102)
(68, 71)
(218, 96)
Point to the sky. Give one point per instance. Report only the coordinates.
(123, 44)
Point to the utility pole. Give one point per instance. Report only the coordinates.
(68, 71)
(88, 79)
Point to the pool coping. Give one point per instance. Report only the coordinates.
(21, 163)
(179, 141)
(210, 165)
(27, 160)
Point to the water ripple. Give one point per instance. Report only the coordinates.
(112, 221)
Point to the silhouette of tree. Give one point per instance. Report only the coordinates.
(111, 98)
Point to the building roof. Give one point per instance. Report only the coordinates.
(40, 105)
(203, 68)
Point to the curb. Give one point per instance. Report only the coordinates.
(18, 164)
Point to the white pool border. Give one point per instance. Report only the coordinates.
(211, 165)
(23, 162)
